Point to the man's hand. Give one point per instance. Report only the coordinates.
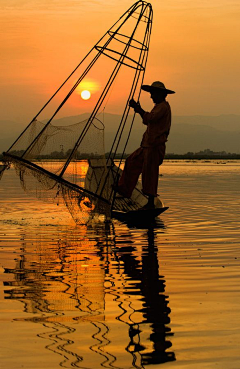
(133, 104)
(137, 107)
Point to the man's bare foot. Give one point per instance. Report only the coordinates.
(147, 207)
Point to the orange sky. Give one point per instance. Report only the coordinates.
(194, 50)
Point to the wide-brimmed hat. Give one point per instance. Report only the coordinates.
(156, 86)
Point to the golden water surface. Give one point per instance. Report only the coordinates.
(122, 295)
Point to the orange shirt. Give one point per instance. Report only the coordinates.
(158, 123)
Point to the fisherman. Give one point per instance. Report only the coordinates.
(149, 156)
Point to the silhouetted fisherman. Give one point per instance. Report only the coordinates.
(149, 156)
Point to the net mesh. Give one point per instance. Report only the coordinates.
(2, 169)
(50, 147)
(40, 166)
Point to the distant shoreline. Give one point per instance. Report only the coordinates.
(202, 157)
(187, 156)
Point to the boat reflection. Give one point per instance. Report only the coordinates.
(98, 295)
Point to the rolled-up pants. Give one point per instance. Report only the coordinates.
(146, 161)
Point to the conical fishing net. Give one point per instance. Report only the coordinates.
(67, 164)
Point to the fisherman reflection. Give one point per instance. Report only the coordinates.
(155, 310)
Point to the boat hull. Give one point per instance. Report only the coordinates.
(143, 215)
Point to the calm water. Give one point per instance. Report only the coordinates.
(121, 296)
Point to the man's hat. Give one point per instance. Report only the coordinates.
(156, 86)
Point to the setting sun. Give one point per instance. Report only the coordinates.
(85, 94)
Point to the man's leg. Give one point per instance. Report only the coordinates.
(150, 203)
(153, 158)
(131, 172)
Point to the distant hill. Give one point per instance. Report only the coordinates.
(229, 122)
(194, 138)
(188, 133)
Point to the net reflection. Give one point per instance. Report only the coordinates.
(98, 295)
